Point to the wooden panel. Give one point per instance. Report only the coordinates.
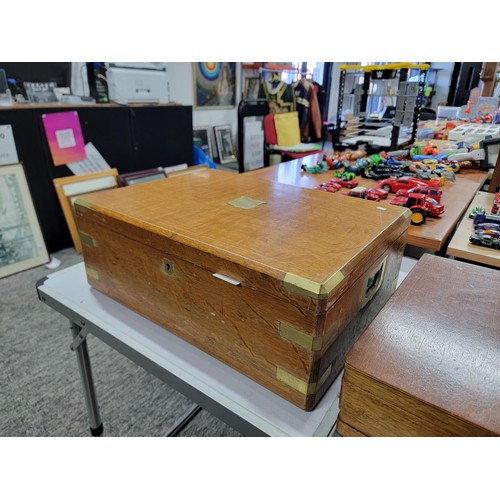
(461, 247)
(347, 431)
(380, 411)
(432, 235)
(436, 342)
(160, 247)
(304, 233)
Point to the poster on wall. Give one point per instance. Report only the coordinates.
(214, 85)
(64, 136)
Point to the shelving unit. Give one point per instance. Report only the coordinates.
(373, 86)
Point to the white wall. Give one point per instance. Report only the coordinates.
(180, 75)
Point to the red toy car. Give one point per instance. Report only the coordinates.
(330, 186)
(381, 193)
(430, 191)
(420, 205)
(347, 184)
(363, 192)
(392, 184)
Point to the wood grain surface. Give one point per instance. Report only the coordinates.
(435, 346)
(159, 247)
(432, 235)
(302, 232)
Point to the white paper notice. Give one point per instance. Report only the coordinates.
(253, 145)
(93, 163)
(65, 138)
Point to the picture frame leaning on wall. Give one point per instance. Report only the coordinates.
(203, 133)
(22, 245)
(225, 144)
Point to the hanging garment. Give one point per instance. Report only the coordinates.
(302, 103)
(281, 98)
(313, 126)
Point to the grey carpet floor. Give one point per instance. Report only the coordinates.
(40, 388)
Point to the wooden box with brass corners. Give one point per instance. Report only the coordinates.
(275, 280)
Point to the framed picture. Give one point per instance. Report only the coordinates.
(214, 85)
(141, 176)
(203, 133)
(251, 88)
(21, 241)
(225, 145)
(70, 188)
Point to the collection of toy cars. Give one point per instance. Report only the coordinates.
(414, 175)
(486, 227)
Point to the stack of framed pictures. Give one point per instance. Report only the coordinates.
(141, 176)
(21, 241)
(225, 148)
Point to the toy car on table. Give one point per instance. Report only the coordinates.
(420, 205)
(363, 192)
(430, 191)
(392, 184)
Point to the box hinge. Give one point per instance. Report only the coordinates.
(306, 388)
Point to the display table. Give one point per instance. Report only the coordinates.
(243, 404)
(459, 245)
(432, 235)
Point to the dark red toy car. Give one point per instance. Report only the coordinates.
(430, 191)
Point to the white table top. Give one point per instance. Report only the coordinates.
(71, 295)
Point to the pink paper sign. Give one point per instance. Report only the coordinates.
(65, 138)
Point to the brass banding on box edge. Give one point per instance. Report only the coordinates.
(87, 240)
(312, 288)
(81, 202)
(300, 385)
(92, 273)
(300, 337)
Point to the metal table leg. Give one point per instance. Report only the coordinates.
(183, 420)
(79, 345)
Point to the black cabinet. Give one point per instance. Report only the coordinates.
(130, 138)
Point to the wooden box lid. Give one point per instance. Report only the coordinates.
(301, 236)
(438, 340)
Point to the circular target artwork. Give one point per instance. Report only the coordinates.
(210, 70)
(215, 84)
